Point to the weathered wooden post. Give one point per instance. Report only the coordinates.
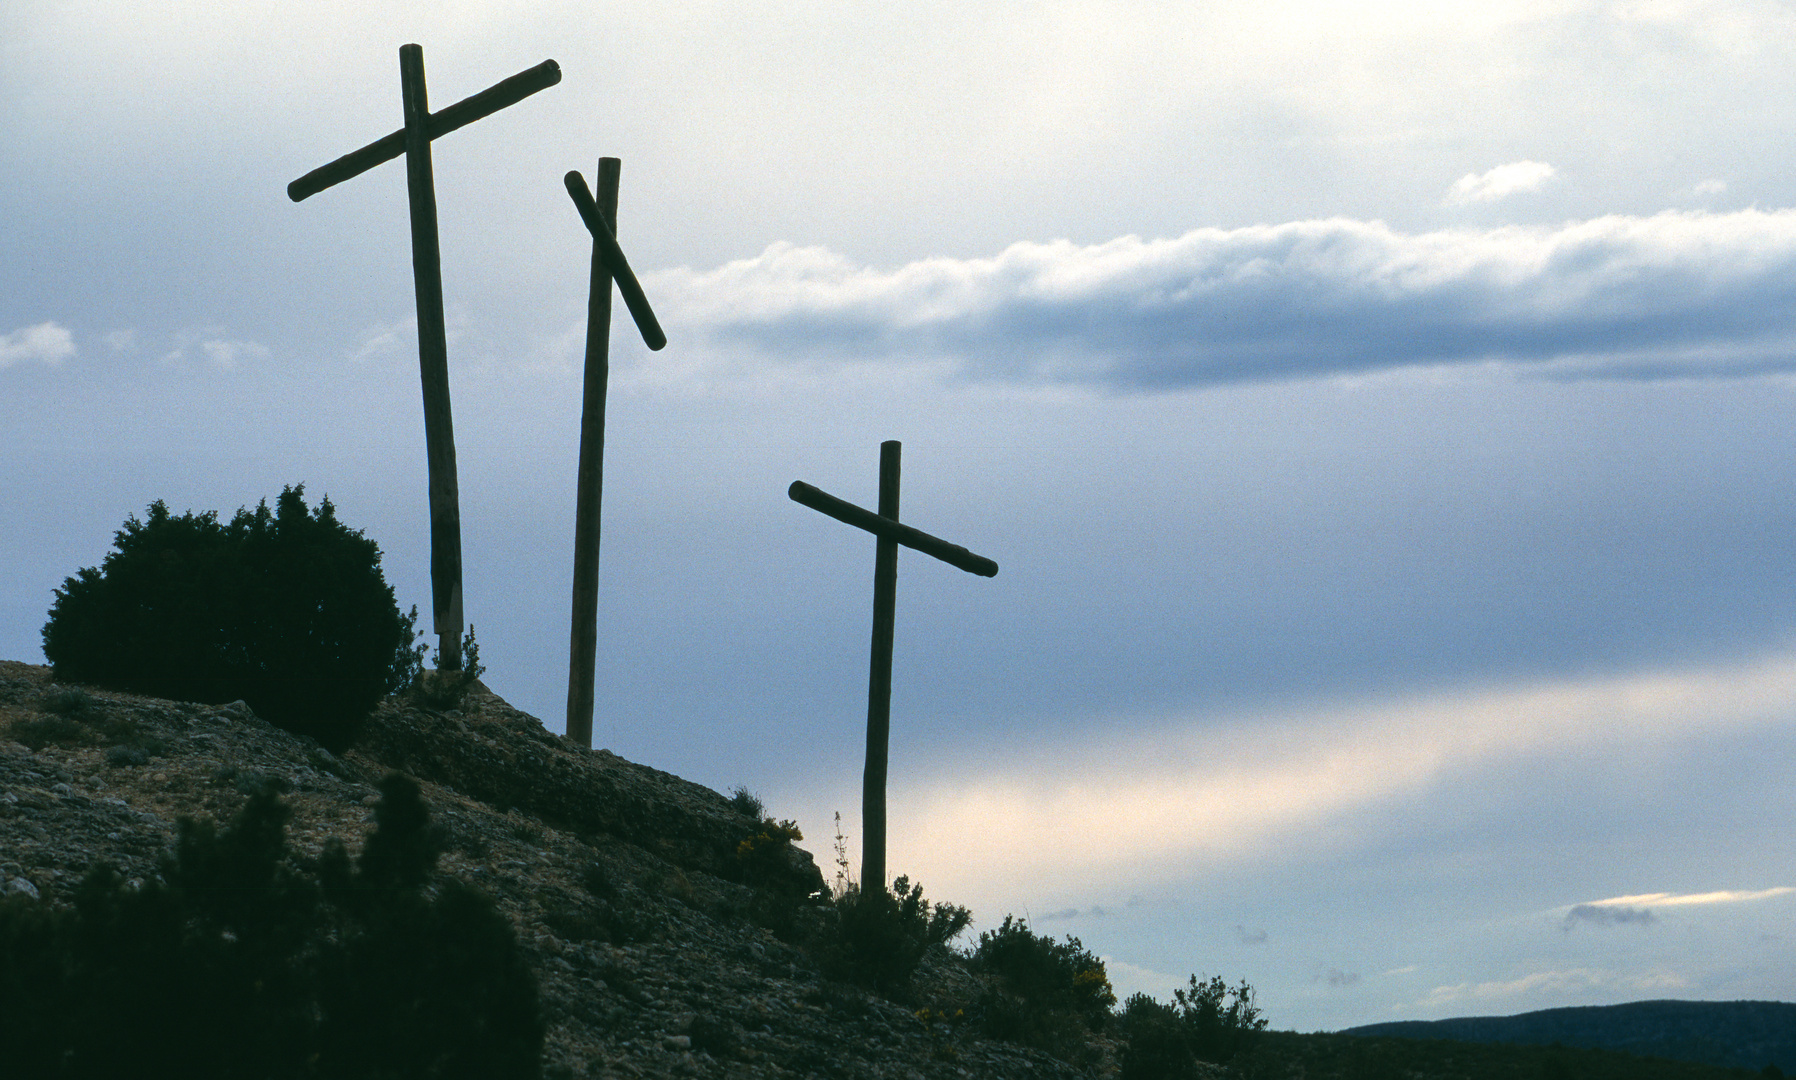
(891, 534)
(600, 214)
(413, 140)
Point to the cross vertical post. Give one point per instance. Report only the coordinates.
(599, 212)
(433, 365)
(413, 140)
(583, 638)
(879, 679)
(891, 533)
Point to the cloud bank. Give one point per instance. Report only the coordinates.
(1685, 294)
(1554, 986)
(1174, 799)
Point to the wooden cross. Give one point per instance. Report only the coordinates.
(885, 526)
(413, 140)
(608, 262)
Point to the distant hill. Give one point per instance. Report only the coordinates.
(1733, 1034)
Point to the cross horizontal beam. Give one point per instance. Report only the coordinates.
(887, 529)
(613, 256)
(442, 122)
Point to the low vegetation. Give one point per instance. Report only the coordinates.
(1206, 1021)
(245, 960)
(285, 609)
(877, 938)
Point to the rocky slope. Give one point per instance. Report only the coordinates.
(653, 957)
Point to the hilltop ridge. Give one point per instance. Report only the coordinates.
(1738, 1034)
(617, 877)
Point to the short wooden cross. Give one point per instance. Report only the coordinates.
(891, 534)
(413, 140)
(608, 262)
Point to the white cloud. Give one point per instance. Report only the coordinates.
(1556, 986)
(224, 353)
(46, 342)
(386, 339)
(1710, 187)
(221, 352)
(1501, 182)
(1128, 979)
(1658, 900)
(1679, 294)
(1211, 792)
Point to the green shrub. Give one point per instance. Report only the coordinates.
(747, 803)
(762, 856)
(38, 732)
(286, 610)
(1048, 992)
(878, 938)
(420, 986)
(70, 701)
(240, 963)
(1207, 1021)
(445, 688)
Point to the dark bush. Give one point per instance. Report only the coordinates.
(1207, 1021)
(448, 688)
(38, 732)
(239, 963)
(287, 610)
(747, 803)
(878, 938)
(70, 701)
(764, 856)
(1048, 992)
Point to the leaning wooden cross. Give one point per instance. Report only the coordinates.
(413, 140)
(608, 262)
(885, 526)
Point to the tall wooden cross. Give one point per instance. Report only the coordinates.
(413, 140)
(608, 263)
(891, 534)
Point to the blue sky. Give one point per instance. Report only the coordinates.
(1382, 422)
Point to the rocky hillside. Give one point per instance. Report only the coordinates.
(653, 957)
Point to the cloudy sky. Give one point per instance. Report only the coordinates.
(1381, 416)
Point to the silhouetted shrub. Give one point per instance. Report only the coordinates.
(445, 688)
(878, 938)
(762, 858)
(1207, 1021)
(286, 610)
(747, 803)
(241, 964)
(1048, 992)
